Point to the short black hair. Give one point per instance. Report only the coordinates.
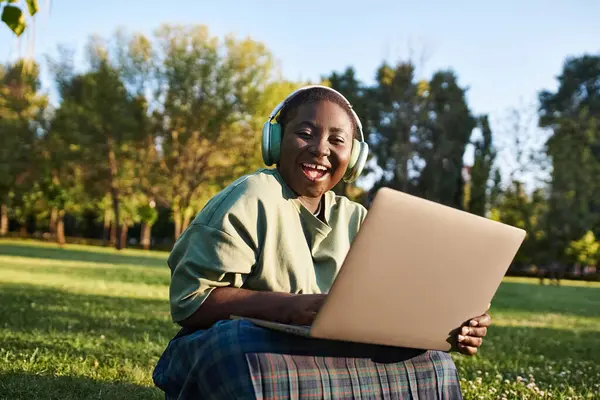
(312, 96)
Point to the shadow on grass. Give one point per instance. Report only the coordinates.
(26, 308)
(57, 253)
(22, 385)
(581, 301)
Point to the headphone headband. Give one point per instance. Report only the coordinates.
(281, 105)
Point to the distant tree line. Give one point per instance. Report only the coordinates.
(155, 126)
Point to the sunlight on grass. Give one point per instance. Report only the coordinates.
(77, 284)
(37, 245)
(88, 323)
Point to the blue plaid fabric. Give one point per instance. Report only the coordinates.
(239, 360)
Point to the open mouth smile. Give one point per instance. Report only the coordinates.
(315, 172)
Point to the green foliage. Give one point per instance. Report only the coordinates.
(147, 214)
(586, 250)
(572, 112)
(418, 131)
(485, 155)
(21, 114)
(13, 15)
(173, 117)
(515, 207)
(445, 127)
(213, 94)
(395, 102)
(84, 321)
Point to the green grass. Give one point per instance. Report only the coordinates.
(90, 323)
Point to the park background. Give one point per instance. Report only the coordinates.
(119, 121)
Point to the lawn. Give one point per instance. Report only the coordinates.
(90, 323)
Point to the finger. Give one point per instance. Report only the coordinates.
(471, 331)
(483, 321)
(467, 350)
(470, 341)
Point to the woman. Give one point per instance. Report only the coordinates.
(269, 246)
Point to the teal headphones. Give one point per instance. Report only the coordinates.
(271, 137)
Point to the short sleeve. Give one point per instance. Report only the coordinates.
(203, 259)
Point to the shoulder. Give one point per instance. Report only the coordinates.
(244, 196)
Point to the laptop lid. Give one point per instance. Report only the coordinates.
(416, 271)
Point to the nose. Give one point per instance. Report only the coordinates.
(320, 147)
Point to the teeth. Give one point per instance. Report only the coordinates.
(315, 166)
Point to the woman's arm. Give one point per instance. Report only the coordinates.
(271, 306)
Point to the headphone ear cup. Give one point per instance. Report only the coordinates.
(354, 154)
(358, 159)
(265, 144)
(275, 149)
(271, 141)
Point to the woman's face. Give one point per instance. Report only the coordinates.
(315, 148)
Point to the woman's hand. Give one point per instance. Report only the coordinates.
(300, 309)
(470, 335)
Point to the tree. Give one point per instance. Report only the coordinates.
(148, 216)
(528, 212)
(21, 113)
(482, 168)
(99, 109)
(210, 92)
(396, 102)
(572, 113)
(444, 134)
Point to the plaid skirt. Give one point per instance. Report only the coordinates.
(239, 360)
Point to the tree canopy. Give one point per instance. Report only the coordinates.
(154, 126)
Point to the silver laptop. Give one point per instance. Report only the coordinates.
(416, 271)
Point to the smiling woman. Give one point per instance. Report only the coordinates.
(316, 148)
(269, 246)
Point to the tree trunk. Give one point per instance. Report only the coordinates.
(23, 230)
(187, 216)
(177, 219)
(3, 220)
(52, 228)
(146, 236)
(113, 234)
(60, 228)
(106, 234)
(124, 229)
(114, 190)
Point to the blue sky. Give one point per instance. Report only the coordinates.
(505, 52)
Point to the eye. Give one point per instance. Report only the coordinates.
(337, 140)
(304, 133)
